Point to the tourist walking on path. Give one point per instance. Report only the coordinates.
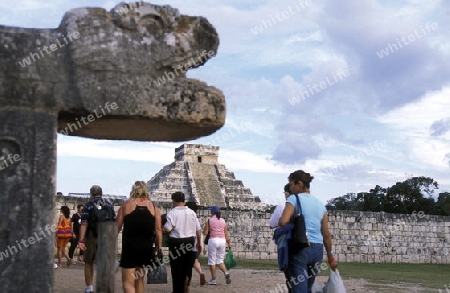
(218, 240)
(141, 222)
(182, 225)
(193, 206)
(75, 222)
(304, 263)
(61, 241)
(89, 232)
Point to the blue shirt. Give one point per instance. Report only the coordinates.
(313, 211)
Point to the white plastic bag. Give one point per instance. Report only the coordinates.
(316, 288)
(334, 283)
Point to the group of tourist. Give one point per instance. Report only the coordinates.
(142, 238)
(141, 222)
(83, 233)
(185, 234)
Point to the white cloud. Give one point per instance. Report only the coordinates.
(412, 122)
(160, 153)
(301, 37)
(431, 107)
(244, 160)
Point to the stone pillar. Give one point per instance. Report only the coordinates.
(27, 180)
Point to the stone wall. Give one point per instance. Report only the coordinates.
(357, 236)
(390, 238)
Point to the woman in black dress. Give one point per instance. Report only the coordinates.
(141, 221)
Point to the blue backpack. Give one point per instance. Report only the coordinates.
(102, 212)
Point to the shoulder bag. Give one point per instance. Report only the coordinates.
(299, 234)
(205, 241)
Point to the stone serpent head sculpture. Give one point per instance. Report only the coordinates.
(126, 67)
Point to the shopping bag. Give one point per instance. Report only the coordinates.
(157, 275)
(316, 288)
(334, 283)
(230, 260)
(64, 232)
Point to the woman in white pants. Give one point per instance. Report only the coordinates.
(218, 240)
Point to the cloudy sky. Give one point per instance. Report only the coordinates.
(355, 92)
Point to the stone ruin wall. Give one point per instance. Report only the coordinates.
(357, 236)
(390, 238)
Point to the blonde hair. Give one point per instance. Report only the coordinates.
(139, 190)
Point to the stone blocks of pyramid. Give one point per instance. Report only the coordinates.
(197, 173)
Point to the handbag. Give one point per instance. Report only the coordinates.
(299, 234)
(64, 231)
(157, 274)
(205, 241)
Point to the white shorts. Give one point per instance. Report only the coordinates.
(216, 250)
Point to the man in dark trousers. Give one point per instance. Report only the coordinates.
(76, 223)
(88, 234)
(182, 225)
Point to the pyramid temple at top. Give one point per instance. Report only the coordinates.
(197, 173)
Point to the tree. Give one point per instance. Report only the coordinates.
(443, 204)
(408, 196)
(371, 201)
(401, 198)
(423, 184)
(344, 202)
(429, 206)
(413, 194)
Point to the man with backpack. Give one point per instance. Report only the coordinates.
(95, 211)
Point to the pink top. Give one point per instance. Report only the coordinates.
(216, 227)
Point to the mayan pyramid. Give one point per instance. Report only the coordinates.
(197, 173)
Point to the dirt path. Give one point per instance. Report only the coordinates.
(71, 280)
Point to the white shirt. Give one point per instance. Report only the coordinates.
(182, 222)
(276, 215)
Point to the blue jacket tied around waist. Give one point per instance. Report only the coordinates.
(282, 235)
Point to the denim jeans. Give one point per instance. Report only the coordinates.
(304, 265)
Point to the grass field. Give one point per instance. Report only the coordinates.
(425, 275)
